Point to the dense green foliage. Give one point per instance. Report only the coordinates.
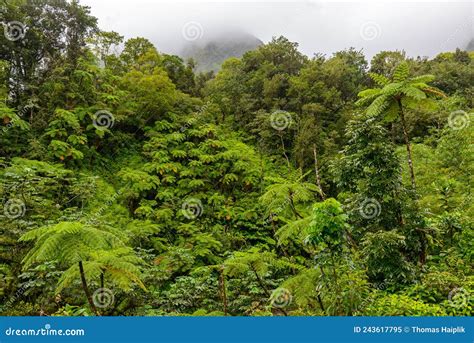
(283, 185)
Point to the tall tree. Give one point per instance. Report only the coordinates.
(393, 97)
(94, 251)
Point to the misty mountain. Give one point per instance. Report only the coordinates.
(470, 45)
(210, 53)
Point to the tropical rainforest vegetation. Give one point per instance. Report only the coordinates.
(281, 185)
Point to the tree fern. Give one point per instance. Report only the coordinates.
(394, 96)
(287, 193)
(51, 240)
(120, 266)
(96, 251)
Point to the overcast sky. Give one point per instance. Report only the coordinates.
(421, 28)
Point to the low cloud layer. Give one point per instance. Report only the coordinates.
(421, 28)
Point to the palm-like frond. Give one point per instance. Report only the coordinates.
(296, 229)
(385, 100)
(121, 265)
(401, 72)
(392, 89)
(380, 80)
(255, 261)
(101, 251)
(277, 196)
(414, 93)
(67, 242)
(367, 99)
(243, 261)
(379, 105)
(369, 92)
(427, 78)
(433, 91)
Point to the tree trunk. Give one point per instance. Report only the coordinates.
(281, 247)
(260, 282)
(320, 300)
(223, 291)
(316, 170)
(292, 205)
(338, 288)
(284, 151)
(321, 305)
(407, 143)
(423, 246)
(86, 289)
(393, 133)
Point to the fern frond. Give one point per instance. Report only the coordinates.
(67, 278)
(378, 105)
(362, 102)
(391, 113)
(423, 79)
(401, 72)
(295, 229)
(434, 91)
(369, 92)
(414, 93)
(380, 80)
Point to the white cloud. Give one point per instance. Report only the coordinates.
(421, 28)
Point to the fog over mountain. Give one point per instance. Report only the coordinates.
(209, 53)
(420, 28)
